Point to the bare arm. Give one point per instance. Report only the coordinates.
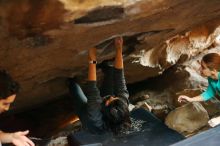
(120, 87)
(5, 137)
(182, 98)
(93, 96)
(92, 67)
(118, 57)
(197, 98)
(206, 95)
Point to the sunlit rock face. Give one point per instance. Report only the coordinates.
(44, 42)
(189, 44)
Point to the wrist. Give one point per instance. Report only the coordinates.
(10, 137)
(6, 137)
(119, 48)
(92, 62)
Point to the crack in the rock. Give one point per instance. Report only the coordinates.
(106, 13)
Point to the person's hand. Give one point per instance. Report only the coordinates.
(92, 54)
(20, 139)
(118, 42)
(183, 98)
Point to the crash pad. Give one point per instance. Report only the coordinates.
(209, 137)
(149, 131)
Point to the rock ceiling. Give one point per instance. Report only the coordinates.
(44, 42)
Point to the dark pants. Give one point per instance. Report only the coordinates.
(79, 101)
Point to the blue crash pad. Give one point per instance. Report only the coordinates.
(210, 137)
(153, 133)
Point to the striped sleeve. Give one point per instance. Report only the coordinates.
(120, 87)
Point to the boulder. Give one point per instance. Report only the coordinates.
(187, 118)
(45, 42)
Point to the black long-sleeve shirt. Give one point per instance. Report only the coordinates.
(95, 122)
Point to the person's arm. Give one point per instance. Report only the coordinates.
(118, 56)
(120, 87)
(5, 137)
(182, 98)
(206, 95)
(93, 93)
(92, 65)
(17, 138)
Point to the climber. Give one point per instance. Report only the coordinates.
(210, 68)
(110, 112)
(8, 90)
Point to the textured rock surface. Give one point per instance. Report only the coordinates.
(187, 118)
(44, 42)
